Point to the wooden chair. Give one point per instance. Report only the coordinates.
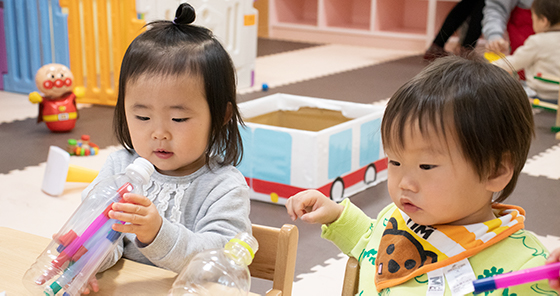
(351, 277)
(276, 258)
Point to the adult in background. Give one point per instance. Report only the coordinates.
(511, 15)
(466, 10)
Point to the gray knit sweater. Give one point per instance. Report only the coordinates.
(201, 211)
(496, 16)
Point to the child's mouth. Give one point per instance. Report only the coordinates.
(409, 207)
(163, 154)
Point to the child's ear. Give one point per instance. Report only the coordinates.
(547, 22)
(229, 112)
(499, 179)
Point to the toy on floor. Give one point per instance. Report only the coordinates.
(549, 106)
(82, 147)
(77, 251)
(492, 56)
(293, 143)
(59, 171)
(57, 105)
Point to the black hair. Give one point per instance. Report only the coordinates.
(175, 48)
(485, 107)
(550, 9)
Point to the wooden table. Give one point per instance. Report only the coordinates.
(18, 250)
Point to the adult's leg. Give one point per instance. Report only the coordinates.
(454, 19)
(475, 25)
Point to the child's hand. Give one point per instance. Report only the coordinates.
(312, 206)
(552, 258)
(92, 286)
(142, 215)
(498, 45)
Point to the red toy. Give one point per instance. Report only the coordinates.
(57, 105)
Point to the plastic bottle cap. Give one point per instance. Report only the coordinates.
(246, 241)
(143, 167)
(72, 141)
(245, 245)
(85, 137)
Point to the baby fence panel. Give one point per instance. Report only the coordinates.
(3, 57)
(99, 33)
(35, 34)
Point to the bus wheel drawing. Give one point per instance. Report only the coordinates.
(371, 174)
(337, 190)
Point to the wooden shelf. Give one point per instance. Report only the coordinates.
(300, 12)
(350, 14)
(409, 24)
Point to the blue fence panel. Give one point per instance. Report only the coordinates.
(3, 57)
(45, 52)
(20, 26)
(28, 40)
(60, 31)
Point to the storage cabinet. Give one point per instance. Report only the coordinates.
(404, 24)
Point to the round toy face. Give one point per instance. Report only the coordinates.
(54, 80)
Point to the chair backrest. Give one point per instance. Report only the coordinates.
(276, 258)
(351, 277)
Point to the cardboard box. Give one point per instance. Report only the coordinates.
(292, 143)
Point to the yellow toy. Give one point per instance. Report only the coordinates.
(59, 171)
(492, 56)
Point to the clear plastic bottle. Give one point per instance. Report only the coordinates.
(221, 272)
(78, 249)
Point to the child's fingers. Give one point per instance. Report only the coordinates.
(312, 217)
(554, 284)
(554, 256)
(94, 285)
(136, 199)
(320, 215)
(292, 205)
(128, 217)
(130, 208)
(301, 203)
(290, 210)
(125, 228)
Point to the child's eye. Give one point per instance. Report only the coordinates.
(142, 118)
(395, 163)
(180, 119)
(427, 166)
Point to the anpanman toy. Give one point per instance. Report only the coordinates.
(57, 105)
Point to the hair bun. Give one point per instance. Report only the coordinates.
(185, 14)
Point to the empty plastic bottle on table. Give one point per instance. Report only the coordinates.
(222, 272)
(78, 249)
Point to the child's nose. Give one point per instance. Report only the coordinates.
(408, 182)
(161, 134)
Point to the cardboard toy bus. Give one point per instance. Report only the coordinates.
(292, 143)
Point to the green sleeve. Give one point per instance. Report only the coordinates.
(352, 232)
(534, 288)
